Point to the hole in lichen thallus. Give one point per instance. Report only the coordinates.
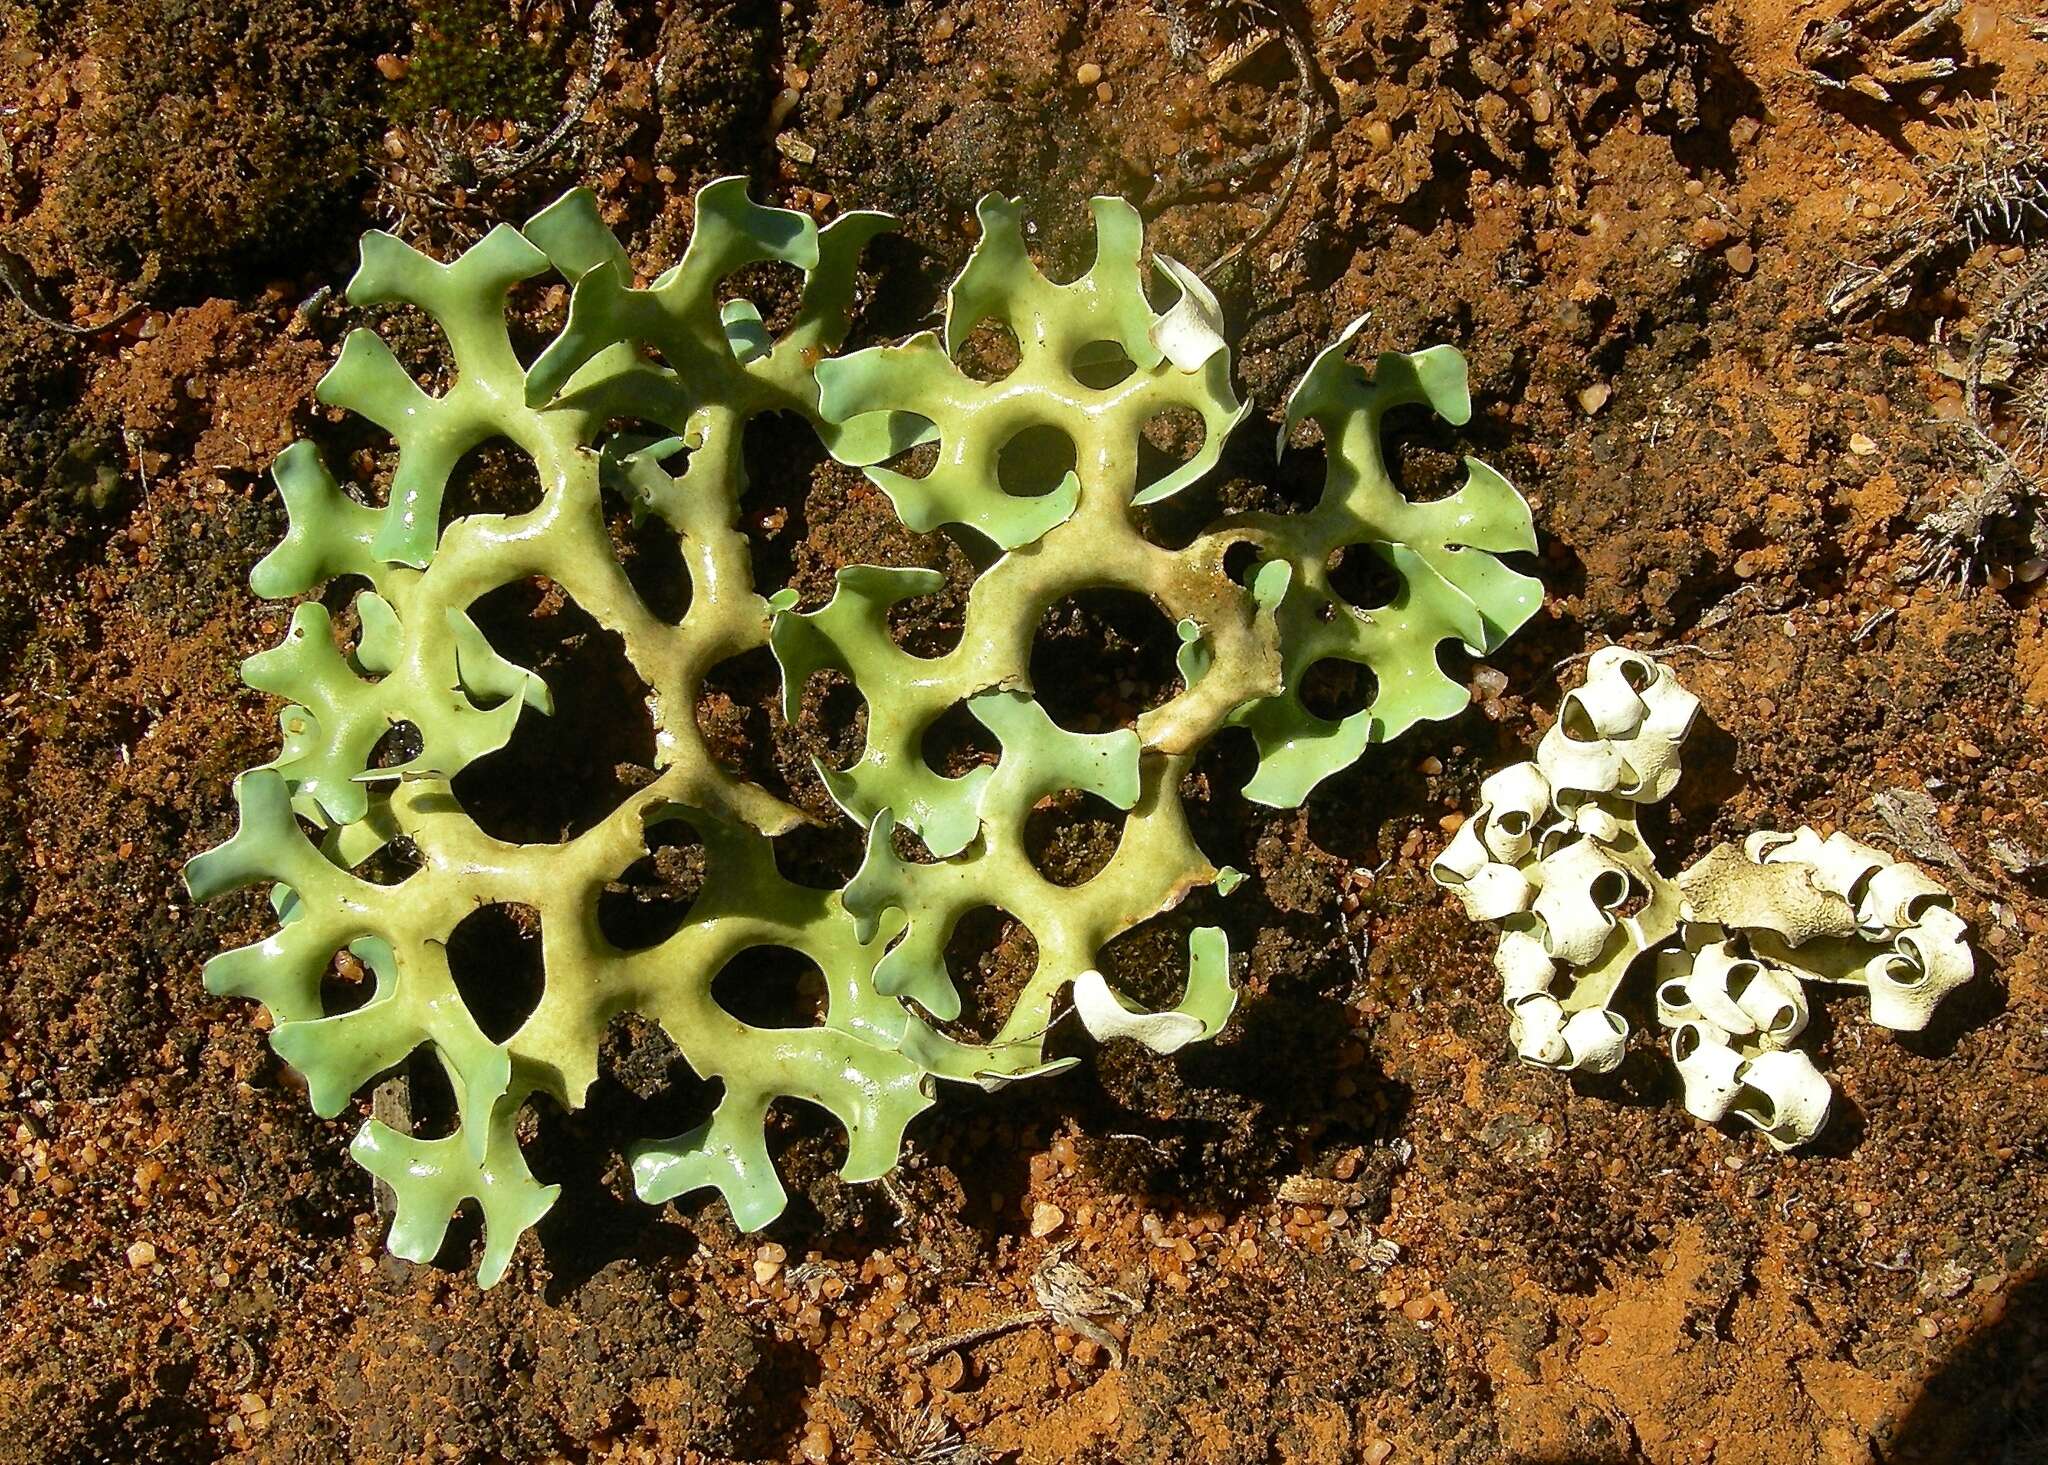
(808, 1147)
(1423, 453)
(775, 290)
(429, 1097)
(832, 719)
(930, 626)
(394, 860)
(917, 460)
(1035, 461)
(822, 856)
(494, 956)
(783, 459)
(1363, 577)
(346, 985)
(990, 957)
(400, 744)
(647, 546)
(1072, 836)
(1240, 560)
(493, 477)
(1101, 658)
(1149, 962)
(1100, 365)
(771, 987)
(1609, 889)
(1334, 689)
(734, 718)
(956, 742)
(652, 897)
(339, 596)
(536, 309)
(1168, 442)
(990, 352)
(559, 774)
(646, 1089)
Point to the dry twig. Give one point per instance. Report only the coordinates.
(1870, 46)
(21, 283)
(1314, 115)
(1066, 1294)
(496, 165)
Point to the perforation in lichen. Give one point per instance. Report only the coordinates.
(1096, 362)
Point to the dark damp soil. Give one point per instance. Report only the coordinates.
(1357, 1231)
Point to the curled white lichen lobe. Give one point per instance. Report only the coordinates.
(1554, 856)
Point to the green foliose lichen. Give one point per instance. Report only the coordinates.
(1096, 363)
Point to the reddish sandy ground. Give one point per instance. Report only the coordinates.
(1632, 215)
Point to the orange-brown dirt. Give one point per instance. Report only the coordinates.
(1630, 214)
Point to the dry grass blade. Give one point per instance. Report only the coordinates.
(1873, 46)
(21, 283)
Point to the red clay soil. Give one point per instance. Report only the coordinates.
(1632, 215)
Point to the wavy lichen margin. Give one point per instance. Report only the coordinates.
(1097, 362)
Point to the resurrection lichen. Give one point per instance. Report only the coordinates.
(1097, 363)
(1554, 854)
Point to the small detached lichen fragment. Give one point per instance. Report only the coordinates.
(645, 392)
(1555, 857)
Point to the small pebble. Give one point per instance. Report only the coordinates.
(141, 1255)
(1928, 1327)
(1377, 1452)
(817, 1443)
(947, 1370)
(1861, 445)
(1046, 1218)
(1593, 398)
(1741, 259)
(1594, 1336)
(1415, 1309)
(1088, 74)
(1708, 233)
(1378, 135)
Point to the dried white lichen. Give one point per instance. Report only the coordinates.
(1554, 856)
